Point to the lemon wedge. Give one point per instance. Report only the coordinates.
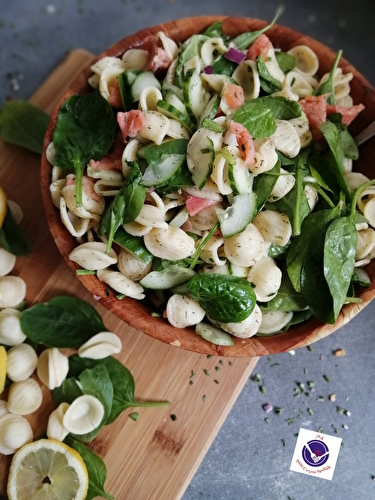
(3, 367)
(3, 205)
(47, 469)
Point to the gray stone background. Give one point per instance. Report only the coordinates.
(249, 458)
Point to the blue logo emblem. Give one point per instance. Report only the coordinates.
(315, 453)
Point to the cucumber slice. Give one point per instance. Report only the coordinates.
(143, 80)
(171, 98)
(166, 86)
(171, 112)
(125, 81)
(237, 216)
(168, 278)
(213, 334)
(159, 172)
(180, 218)
(134, 244)
(240, 179)
(211, 109)
(196, 96)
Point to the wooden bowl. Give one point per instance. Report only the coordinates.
(135, 313)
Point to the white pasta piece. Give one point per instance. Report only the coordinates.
(340, 83)
(283, 185)
(21, 362)
(348, 165)
(169, 45)
(312, 196)
(307, 60)
(265, 156)
(209, 253)
(362, 263)
(246, 248)
(354, 180)
(132, 266)
(346, 101)
(287, 93)
(183, 311)
(92, 256)
(365, 196)
(3, 409)
(107, 78)
(273, 66)
(157, 127)
(107, 188)
(220, 175)
(24, 397)
(148, 98)
(136, 229)
(53, 367)
(16, 211)
(211, 48)
(15, 432)
(365, 243)
(246, 328)
(58, 174)
(209, 191)
(93, 81)
(302, 128)
(129, 156)
(205, 219)
(193, 63)
(12, 291)
(91, 208)
(214, 82)
(286, 139)
(100, 346)
(56, 191)
(199, 141)
(171, 243)
(121, 283)
(247, 77)
(299, 84)
(107, 62)
(50, 153)
(171, 71)
(211, 269)
(177, 130)
(76, 226)
(135, 59)
(274, 321)
(275, 227)
(10, 327)
(7, 261)
(83, 415)
(369, 210)
(55, 426)
(266, 279)
(158, 202)
(151, 216)
(105, 175)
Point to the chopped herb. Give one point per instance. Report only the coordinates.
(320, 429)
(230, 363)
(156, 315)
(256, 377)
(207, 372)
(204, 397)
(373, 478)
(216, 381)
(309, 348)
(311, 384)
(84, 272)
(267, 420)
(309, 411)
(173, 417)
(262, 389)
(134, 416)
(278, 409)
(290, 421)
(192, 373)
(217, 368)
(274, 365)
(335, 429)
(284, 442)
(221, 362)
(340, 410)
(191, 382)
(301, 386)
(209, 356)
(326, 378)
(256, 453)
(305, 371)
(107, 292)
(295, 434)
(320, 398)
(120, 296)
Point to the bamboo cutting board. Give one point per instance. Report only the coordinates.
(154, 457)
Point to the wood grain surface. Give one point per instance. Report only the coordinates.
(135, 312)
(154, 457)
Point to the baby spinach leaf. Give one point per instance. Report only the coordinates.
(12, 238)
(339, 259)
(268, 83)
(348, 144)
(85, 130)
(333, 138)
(300, 244)
(328, 86)
(96, 469)
(67, 392)
(321, 170)
(223, 66)
(286, 61)
(257, 118)
(62, 322)
(314, 286)
(189, 50)
(263, 185)
(24, 125)
(122, 381)
(224, 298)
(155, 151)
(214, 30)
(281, 108)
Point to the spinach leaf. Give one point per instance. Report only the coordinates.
(214, 30)
(85, 129)
(155, 151)
(281, 108)
(223, 66)
(286, 61)
(62, 322)
(314, 286)
(268, 83)
(67, 392)
(257, 118)
(189, 50)
(97, 382)
(122, 381)
(299, 317)
(300, 244)
(333, 138)
(24, 125)
(321, 170)
(225, 298)
(278, 251)
(339, 258)
(328, 86)
(96, 469)
(12, 238)
(263, 185)
(125, 80)
(287, 299)
(245, 39)
(134, 244)
(348, 144)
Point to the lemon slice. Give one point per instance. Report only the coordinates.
(3, 205)
(3, 367)
(47, 469)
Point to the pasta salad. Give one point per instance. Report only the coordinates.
(214, 181)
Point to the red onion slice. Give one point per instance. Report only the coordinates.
(235, 55)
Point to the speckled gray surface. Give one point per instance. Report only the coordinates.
(249, 458)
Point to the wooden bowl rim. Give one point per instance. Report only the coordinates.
(134, 312)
